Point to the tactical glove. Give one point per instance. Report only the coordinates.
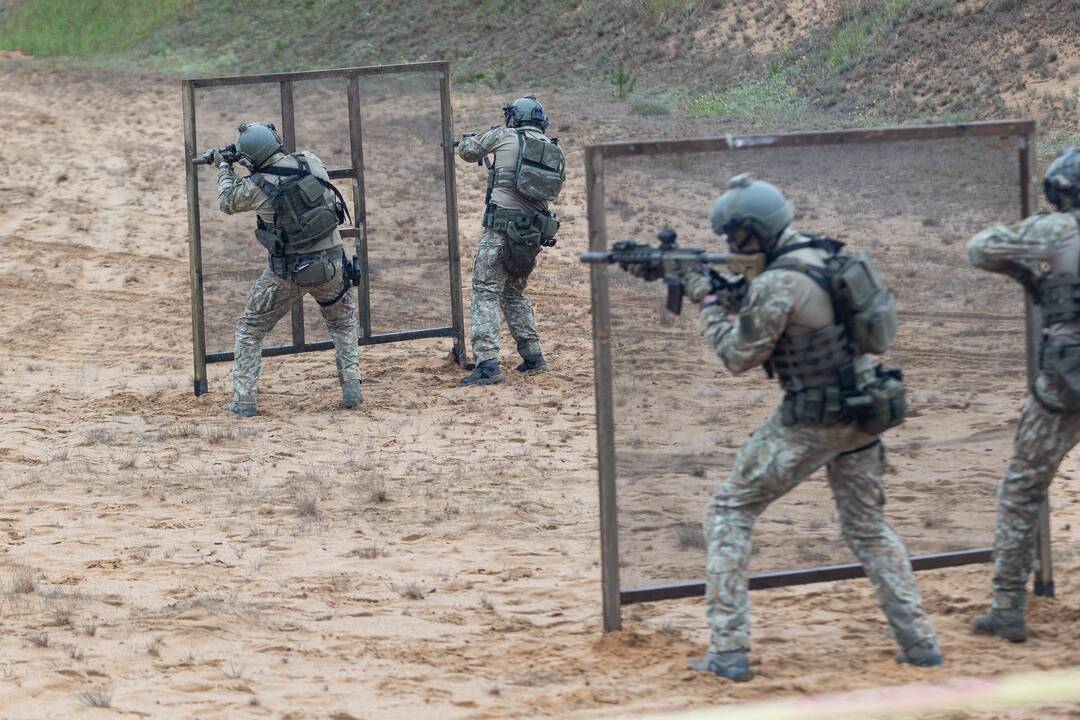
(728, 294)
(645, 271)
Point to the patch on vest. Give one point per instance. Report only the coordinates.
(746, 326)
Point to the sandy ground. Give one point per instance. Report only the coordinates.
(434, 553)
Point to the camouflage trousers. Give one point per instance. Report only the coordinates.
(493, 288)
(774, 460)
(1042, 439)
(271, 297)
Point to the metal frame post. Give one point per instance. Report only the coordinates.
(198, 325)
(1044, 573)
(613, 595)
(288, 134)
(605, 410)
(356, 147)
(457, 310)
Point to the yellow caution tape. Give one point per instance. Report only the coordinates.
(1031, 689)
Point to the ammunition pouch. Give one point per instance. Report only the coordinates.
(887, 403)
(314, 268)
(525, 231)
(820, 405)
(1057, 387)
(308, 269)
(874, 408)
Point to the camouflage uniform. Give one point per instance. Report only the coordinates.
(778, 457)
(1043, 436)
(271, 297)
(492, 286)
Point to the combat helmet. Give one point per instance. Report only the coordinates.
(755, 206)
(1062, 179)
(257, 143)
(525, 110)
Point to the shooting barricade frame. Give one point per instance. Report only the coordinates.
(614, 595)
(285, 81)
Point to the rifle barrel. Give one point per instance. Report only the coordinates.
(632, 256)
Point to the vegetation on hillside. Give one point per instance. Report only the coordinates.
(750, 64)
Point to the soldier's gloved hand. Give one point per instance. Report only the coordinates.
(696, 285)
(729, 295)
(679, 268)
(645, 271)
(220, 160)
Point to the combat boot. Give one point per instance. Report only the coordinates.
(1005, 623)
(924, 654)
(485, 373)
(733, 665)
(240, 408)
(532, 363)
(351, 396)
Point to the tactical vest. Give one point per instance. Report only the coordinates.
(1057, 387)
(1059, 299)
(817, 369)
(539, 173)
(302, 214)
(1059, 296)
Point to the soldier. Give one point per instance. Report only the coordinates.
(297, 214)
(812, 316)
(526, 174)
(1050, 419)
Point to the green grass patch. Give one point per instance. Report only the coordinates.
(767, 102)
(862, 22)
(84, 28)
(652, 106)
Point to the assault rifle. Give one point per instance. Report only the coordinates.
(228, 154)
(629, 252)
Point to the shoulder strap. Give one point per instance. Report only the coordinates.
(818, 242)
(822, 276)
(819, 275)
(305, 169)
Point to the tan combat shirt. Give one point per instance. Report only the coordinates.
(503, 142)
(1051, 238)
(778, 301)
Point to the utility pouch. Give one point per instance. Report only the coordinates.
(883, 404)
(269, 238)
(872, 306)
(820, 405)
(541, 168)
(1057, 387)
(314, 269)
(279, 265)
(549, 225)
(521, 246)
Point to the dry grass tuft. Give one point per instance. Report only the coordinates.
(153, 647)
(39, 639)
(307, 505)
(23, 580)
(369, 552)
(99, 436)
(377, 491)
(409, 591)
(98, 698)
